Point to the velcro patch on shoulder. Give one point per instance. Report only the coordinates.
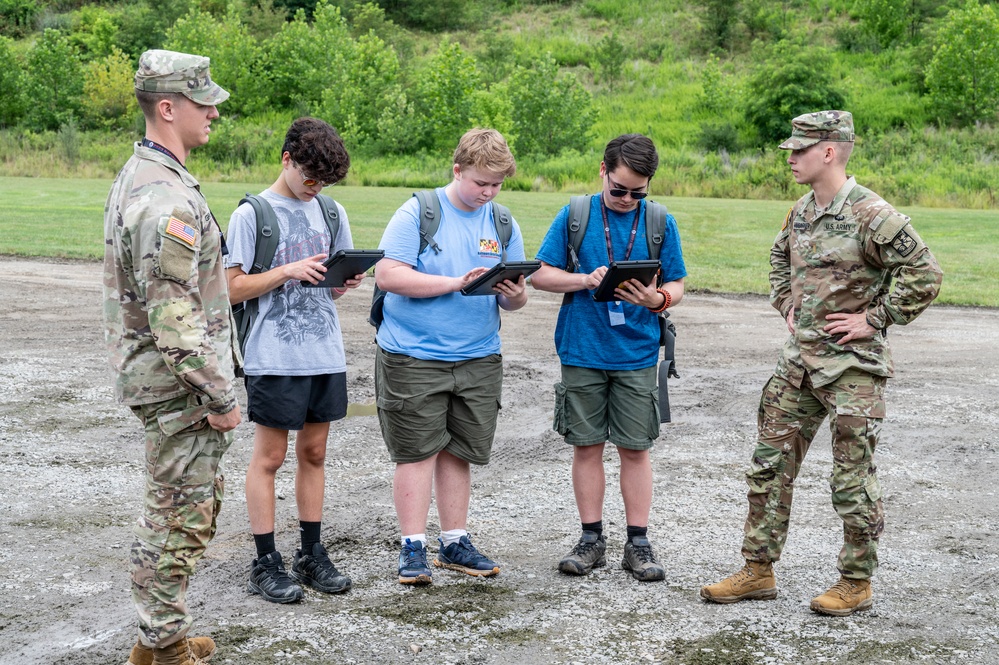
(887, 225)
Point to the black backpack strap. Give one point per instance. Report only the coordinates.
(502, 220)
(655, 231)
(579, 217)
(331, 215)
(430, 219)
(265, 246)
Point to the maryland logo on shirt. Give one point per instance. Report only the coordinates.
(489, 247)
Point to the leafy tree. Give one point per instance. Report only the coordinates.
(17, 17)
(235, 55)
(963, 76)
(444, 105)
(720, 22)
(142, 26)
(108, 99)
(552, 112)
(54, 81)
(887, 21)
(95, 32)
(610, 56)
(371, 109)
(493, 108)
(790, 81)
(304, 59)
(12, 84)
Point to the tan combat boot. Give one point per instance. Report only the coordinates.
(844, 598)
(201, 647)
(754, 582)
(178, 653)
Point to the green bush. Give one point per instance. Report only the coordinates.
(108, 99)
(17, 17)
(790, 81)
(13, 103)
(551, 111)
(54, 81)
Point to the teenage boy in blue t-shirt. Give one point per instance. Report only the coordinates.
(609, 352)
(294, 362)
(438, 368)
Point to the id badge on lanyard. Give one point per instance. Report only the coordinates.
(615, 309)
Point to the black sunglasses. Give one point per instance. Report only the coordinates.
(618, 193)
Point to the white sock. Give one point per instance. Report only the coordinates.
(416, 538)
(452, 536)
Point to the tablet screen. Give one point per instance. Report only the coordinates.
(622, 271)
(344, 265)
(511, 270)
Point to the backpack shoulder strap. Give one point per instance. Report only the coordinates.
(268, 233)
(579, 217)
(430, 219)
(655, 227)
(331, 215)
(504, 227)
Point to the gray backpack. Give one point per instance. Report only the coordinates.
(430, 221)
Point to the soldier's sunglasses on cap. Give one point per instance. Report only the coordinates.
(618, 192)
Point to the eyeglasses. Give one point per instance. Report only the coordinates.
(618, 192)
(310, 182)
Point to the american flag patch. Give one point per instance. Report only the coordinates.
(488, 246)
(179, 229)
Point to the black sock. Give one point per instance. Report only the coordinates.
(265, 544)
(637, 531)
(596, 527)
(310, 535)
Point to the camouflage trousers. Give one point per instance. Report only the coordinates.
(183, 496)
(788, 420)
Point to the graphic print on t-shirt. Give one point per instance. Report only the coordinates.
(489, 247)
(296, 320)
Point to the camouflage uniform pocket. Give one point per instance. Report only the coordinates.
(176, 258)
(560, 421)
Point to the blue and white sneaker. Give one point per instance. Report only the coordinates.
(413, 568)
(463, 557)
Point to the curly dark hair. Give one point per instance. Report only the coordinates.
(635, 151)
(317, 149)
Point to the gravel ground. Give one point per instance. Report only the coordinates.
(71, 461)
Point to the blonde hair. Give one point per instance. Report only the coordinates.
(486, 150)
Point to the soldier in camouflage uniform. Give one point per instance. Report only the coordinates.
(844, 267)
(169, 333)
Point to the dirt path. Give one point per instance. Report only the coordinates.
(72, 480)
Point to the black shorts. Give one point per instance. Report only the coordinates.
(288, 402)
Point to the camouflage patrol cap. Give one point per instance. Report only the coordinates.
(169, 71)
(811, 128)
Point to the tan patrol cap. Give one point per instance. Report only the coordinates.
(810, 128)
(169, 71)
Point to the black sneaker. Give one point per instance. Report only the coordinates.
(586, 555)
(268, 578)
(641, 561)
(317, 571)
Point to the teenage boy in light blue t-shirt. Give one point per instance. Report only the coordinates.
(295, 364)
(609, 351)
(438, 368)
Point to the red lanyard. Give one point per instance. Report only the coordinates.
(607, 236)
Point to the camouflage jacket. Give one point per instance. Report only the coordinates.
(860, 255)
(168, 324)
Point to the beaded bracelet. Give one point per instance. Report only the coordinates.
(338, 291)
(667, 301)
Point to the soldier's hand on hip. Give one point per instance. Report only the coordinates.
(849, 326)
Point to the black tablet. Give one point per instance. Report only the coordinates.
(620, 272)
(511, 270)
(344, 265)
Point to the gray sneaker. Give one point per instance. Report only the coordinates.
(586, 555)
(641, 561)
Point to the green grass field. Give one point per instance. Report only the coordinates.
(726, 242)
